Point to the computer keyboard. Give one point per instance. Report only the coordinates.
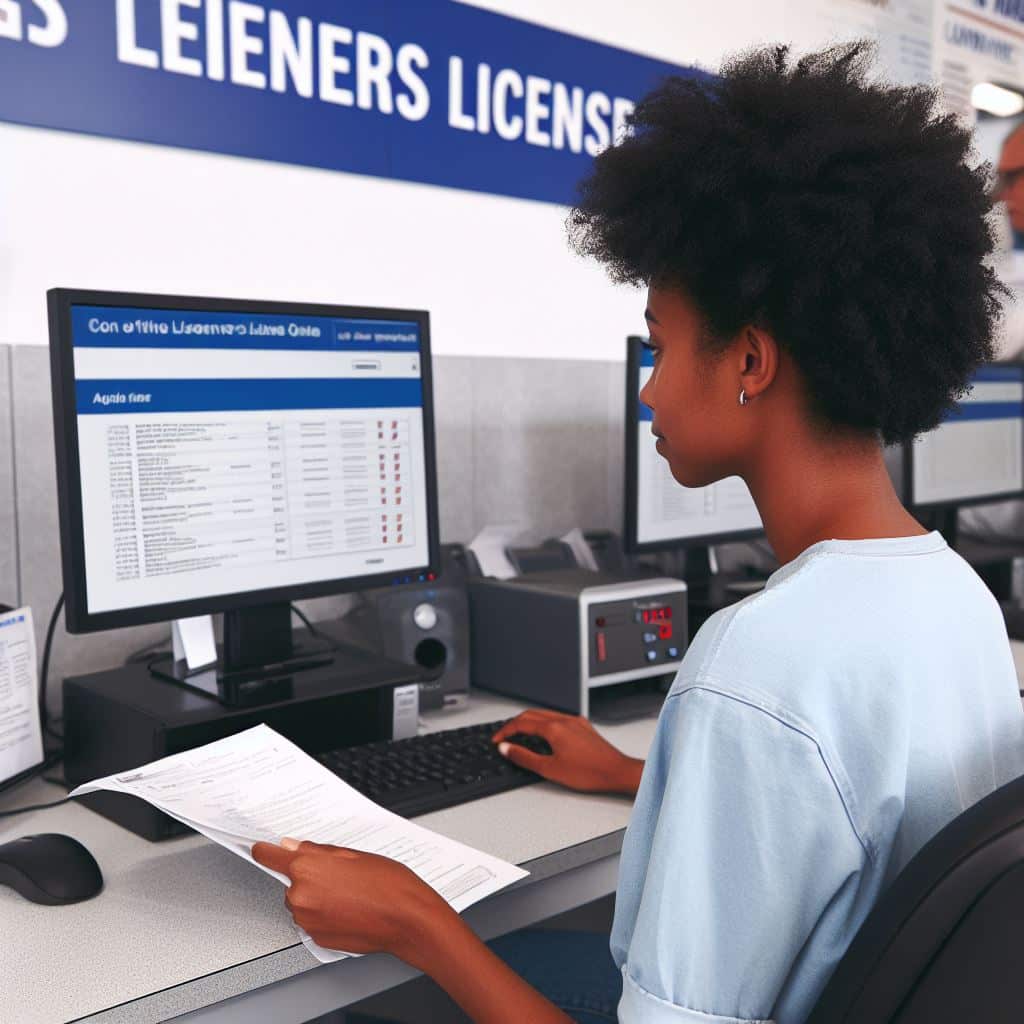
(434, 771)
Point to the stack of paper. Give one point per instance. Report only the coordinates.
(259, 786)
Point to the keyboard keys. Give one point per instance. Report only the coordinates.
(431, 772)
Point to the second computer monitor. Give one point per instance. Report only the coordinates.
(977, 453)
(660, 512)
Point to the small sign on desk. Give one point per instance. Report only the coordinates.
(21, 734)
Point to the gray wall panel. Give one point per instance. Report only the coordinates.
(535, 440)
(545, 446)
(615, 478)
(454, 380)
(10, 584)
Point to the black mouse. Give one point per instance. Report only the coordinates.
(531, 741)
(50, 868)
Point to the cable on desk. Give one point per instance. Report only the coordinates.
(45, 670)
(146, 654)
(331, 645)
(49, 760)
(36, 807)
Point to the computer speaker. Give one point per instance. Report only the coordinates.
(422, 624)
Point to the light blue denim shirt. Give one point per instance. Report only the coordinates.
(816, 736)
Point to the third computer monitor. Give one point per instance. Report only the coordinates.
(977, 453)
(661, 513)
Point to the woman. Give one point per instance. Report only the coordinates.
(814, 247)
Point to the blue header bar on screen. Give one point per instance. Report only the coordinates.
(963, 411)
(644, 413)
(129, 327)
(106, 397)
(1003, 409)
(988, 374)
(987, 411)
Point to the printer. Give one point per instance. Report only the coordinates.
(581, 641)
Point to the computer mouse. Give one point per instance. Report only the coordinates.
(50, 868)
(531, 741)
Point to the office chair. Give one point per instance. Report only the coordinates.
(944, 942)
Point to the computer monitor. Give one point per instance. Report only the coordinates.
(977, 453)
(219, 455)
(660, 513)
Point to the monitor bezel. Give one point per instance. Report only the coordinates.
(631, 543)
(950, 503)
(78, 618)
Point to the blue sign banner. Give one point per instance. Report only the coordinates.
(126, 327)
(429, 91)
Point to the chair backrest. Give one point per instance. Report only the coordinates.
(943, 943)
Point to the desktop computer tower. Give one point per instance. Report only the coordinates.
(123, 718)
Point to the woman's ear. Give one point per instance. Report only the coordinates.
(759, 361)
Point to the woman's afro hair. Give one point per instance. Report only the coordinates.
(841, 214)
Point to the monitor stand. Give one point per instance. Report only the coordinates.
(709, 590)
(991, 560)
(698, 572)
(256, 662)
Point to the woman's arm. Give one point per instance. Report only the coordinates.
(364, 903)
(486, 988)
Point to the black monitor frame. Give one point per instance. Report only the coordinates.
(69, 492)
(631, 543)
(951, 504)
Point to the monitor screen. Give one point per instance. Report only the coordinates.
(660, 512)
(218, 453)
(976, 453)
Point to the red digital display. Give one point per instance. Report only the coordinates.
(663, 614)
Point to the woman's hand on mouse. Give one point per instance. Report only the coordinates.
(352, 901)
(580, 757)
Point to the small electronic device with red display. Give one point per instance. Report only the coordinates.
(553, 637)
(662, 614)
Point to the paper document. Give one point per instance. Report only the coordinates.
(21, 734)
(194, 642)
(489, 547)
(259, 786)
(581, 549)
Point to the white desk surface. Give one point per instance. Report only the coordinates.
(183, 927)
(185, 930)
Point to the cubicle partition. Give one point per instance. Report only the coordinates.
(533, 441)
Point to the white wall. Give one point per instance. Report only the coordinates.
(496, 273)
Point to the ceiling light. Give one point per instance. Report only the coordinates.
(994, 99)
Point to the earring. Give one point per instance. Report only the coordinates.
(743, 396)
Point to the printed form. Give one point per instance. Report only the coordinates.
(21, 737)
(259, 786)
